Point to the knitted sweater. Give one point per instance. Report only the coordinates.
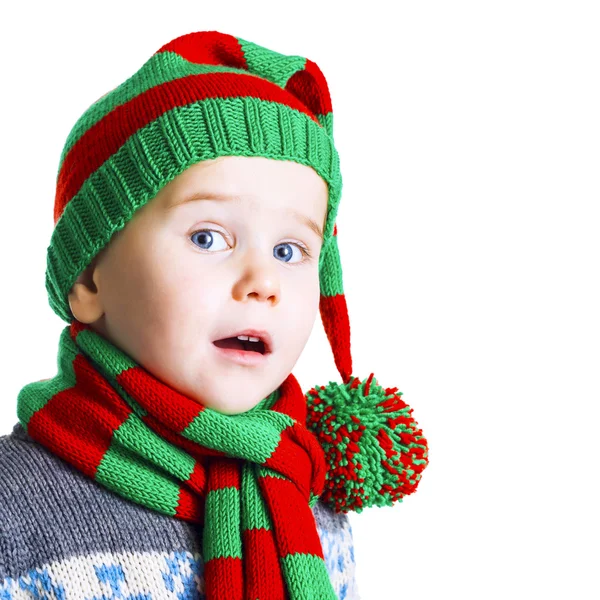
(64, 536)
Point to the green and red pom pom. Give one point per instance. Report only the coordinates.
(374, 449)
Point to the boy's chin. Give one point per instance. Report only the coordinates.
(230, 406)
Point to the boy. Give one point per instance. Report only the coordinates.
(174, 453)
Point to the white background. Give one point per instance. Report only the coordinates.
(469, 137)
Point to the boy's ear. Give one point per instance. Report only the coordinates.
(84, 297)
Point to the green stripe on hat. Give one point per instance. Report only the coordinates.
(111, 195)
(271, 65)
(330, 279)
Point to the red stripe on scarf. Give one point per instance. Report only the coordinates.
(59, 426)
(262, 580)
(293, 520)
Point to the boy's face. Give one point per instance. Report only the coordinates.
(163, 291)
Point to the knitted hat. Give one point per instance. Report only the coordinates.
(203, 95)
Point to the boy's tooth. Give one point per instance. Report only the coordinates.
(248, 338)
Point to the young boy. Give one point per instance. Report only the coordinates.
(174, 454)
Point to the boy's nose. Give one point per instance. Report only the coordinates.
(258, 279)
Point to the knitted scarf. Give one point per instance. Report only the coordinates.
(249, 480)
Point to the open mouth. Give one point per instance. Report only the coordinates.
(236, 344)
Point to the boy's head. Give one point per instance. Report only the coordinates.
(186, 272)
(208, 114)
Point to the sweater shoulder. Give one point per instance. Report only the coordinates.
(51, 512)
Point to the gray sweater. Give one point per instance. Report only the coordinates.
(64, 536)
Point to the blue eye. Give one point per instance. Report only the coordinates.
(282, 250)
(204, 238)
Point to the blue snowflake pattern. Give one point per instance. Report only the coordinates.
(38, 583)
(183, 573)
(114, 576)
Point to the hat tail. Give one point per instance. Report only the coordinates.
(333, 308)
(375, 449)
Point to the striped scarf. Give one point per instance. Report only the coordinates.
(249, 480)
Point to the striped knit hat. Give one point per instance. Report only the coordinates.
(203, 95)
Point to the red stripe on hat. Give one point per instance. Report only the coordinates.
(105, 137)
(311, 87)
(208, 48)
(334, 314)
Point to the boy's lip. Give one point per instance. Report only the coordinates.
(243, 357)
(264, 335)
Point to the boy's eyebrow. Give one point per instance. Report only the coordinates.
(235, 198)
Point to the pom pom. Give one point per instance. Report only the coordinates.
(374, 449)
